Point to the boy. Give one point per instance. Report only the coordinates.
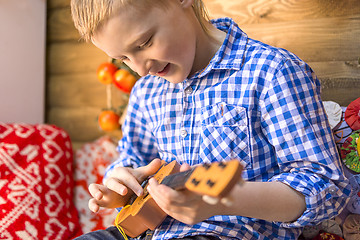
(209, 93)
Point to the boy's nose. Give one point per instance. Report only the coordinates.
(141, 66)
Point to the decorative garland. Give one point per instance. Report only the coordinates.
(118, 74)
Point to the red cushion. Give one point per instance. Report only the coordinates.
(36, 183)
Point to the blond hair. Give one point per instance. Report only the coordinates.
(89, 15)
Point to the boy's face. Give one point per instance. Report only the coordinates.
(156, 41)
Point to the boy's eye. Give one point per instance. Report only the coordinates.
(147, 43)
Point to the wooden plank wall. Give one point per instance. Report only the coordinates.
(325, 33)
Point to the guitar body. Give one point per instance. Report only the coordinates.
(149, 216)
(214, 180)
(144, 213)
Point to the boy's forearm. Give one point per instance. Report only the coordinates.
(272, 201)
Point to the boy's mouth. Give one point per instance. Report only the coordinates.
(164, 71)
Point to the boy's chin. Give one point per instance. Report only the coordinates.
(174, 80)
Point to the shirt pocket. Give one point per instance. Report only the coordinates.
(225, 134)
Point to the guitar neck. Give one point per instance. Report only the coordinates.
(177, 180)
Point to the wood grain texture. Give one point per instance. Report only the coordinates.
(81, 90)
(58, 3)
(77, 121)
(270, 11)
(340, 80)
(342, 91)
(80, 123)
(73, 57)
(312, 40)
(60, 25)
(336, 69)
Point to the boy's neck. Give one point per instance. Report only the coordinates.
(208, 43)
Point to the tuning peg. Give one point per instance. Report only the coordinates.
(195, 182)
(210, 183)
(206, 166)
(222, 165)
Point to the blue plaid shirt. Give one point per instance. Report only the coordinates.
(255, 103)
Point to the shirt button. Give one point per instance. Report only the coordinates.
(332, 190)
(183, 133)
(188, 90)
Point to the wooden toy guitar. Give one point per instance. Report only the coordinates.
(215, 180)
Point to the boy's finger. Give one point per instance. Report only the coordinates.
(122, 188)
(95, 191)
(166, 198)
(162, 191)
(184, 167)
(98, 196)
(141, 174)
(149, 169)
(93, 206)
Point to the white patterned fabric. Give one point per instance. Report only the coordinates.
(91, 160)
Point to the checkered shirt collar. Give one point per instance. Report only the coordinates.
(234, 44)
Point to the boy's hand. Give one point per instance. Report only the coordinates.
(120, 185)
(184, 205)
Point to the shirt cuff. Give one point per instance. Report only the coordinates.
(324, 200)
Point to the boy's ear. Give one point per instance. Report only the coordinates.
(186, 3)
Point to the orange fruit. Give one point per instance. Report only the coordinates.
(109, 120)
(124, 80)
(105, 72)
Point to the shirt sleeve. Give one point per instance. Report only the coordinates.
(137, 147)
(296, 125)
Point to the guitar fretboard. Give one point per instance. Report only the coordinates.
(177, 181)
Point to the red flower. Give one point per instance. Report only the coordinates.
(352, 114)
